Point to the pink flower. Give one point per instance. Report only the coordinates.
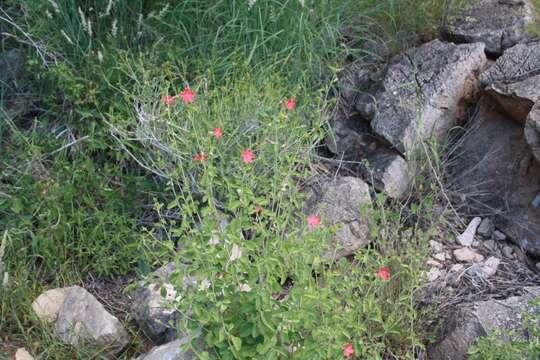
(217, 133)
(187, 96)
(348, 350)
(290, 104)
(248, 156)
(384, 273)
(168, 100)
(314, 220)
(200, 157)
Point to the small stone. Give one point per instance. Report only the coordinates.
(457, 268)
(499, 235)
(47, 305)
(440, 256)
(22, 354)
(475, 243)
(433, 274)
(467, 255)
(489, 244)
(170, 351)
(434, 263)
(436, 246)
(467, 238)
(508, 252)
(485, 269)
(538, 266)
(83, 321)
(486, 228)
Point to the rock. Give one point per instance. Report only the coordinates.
(442, 256)
(48, 305)
(434, 274)
(499, 236)
(496, 173)
(467, 255)
(436, 246)
(467, 237)
(83, 321)
(513, 81)
(490, 245)
(474, 320)
(457, 268)
(532, 134)
(434, 263)
(22, 354)
(337, 201)
(499, 24)
(151, 310)
(486, 228)
(507, 252)
(356, 81)
(423, 93)
(538, 266)
(352, 140)
(486, 269)
(170, 351)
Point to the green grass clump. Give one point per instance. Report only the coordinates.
(99, 70)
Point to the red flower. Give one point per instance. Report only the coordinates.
(290, 104)
(168, 100)
(348, 350)
(384, 273)
(200, 157)
(314, 220)
(217, 133)
(248, 156)
(187, 96)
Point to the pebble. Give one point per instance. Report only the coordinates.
(508, 252)
(22, 354)
(486, 228)
(475, 243)
(440, 256)
(499, 236)
(434, 263)
(538, 266)
(457, 268)
(436, 246)
(486, 269)
(434, 274)
(467, 238)
(467, 255)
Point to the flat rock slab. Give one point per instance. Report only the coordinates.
(471, 321)
(499, 24)
(83, 321)
(337, 201)
(424, 93)
(496, 173)
(514, 80)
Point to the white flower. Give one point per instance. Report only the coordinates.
(204, 285)
(236, 253)
(114, 27)
(251, 3)
(100, 56)
(214, 240)
(244, 288)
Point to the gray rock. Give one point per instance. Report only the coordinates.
(83, 321)
(48, 305)
(388, 172)
(23, 354)
(532, 131)
(337, 201)
(467, 255)
(499, 236)
(486, 228)
(153, 311)
(508, 252)
(499, 24)
(471, 321)
(486, 269)
(467, 237)
(514, 80)
(496, 173)
(424, 92)
(170, 351)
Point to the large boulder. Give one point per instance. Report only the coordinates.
(495, 173)
(338, 201)
(514, 80)
(424, 93)
(471, 321)
(48, 305)
(152, 300)
(499, 24)
(83, 321)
